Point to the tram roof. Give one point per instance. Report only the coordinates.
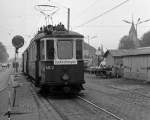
(58, 34)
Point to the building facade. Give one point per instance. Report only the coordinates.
(132, 63)
(137, 64)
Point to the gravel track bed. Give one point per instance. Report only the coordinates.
(137, 96)
(66, 108)
(131, 102)
(46, 112)
(76, 109)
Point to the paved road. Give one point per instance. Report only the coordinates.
(4, 77)
(24, 107)
(128, 99)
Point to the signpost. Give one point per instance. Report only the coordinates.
(18, 42)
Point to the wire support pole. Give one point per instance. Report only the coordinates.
(68, 21)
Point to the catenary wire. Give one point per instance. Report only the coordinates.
(106, 12)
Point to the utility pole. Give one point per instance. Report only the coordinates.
(68, 21)
(88, 40)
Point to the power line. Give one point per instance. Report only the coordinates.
(88, 7)
(107, 11)
(83, 11)
(110, 26)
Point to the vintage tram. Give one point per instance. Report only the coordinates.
(54, 59)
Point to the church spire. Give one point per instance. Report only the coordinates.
(132, 29)
(133, 34)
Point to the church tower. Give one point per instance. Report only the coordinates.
(133, 35)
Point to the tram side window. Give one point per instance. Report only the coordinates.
(79, 49)
(42, 55)
(50, 49)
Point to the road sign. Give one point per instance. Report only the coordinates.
(18, 41)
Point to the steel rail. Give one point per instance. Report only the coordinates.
(100, 108)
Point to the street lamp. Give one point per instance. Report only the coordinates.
(90, 38)
(137, 23)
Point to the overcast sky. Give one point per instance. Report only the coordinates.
(19, 17)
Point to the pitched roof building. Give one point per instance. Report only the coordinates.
(88, 51)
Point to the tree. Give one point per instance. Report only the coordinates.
(126, 43)
(3, 53)
(145, 42)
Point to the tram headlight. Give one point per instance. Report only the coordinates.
(65, 77)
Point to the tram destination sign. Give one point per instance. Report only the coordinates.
(65, 62)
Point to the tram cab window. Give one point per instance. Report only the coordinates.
(79, 49)
(42, 55)
(65, 49)
(50, 49)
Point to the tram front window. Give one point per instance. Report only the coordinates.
(50, 49)
(65, 49)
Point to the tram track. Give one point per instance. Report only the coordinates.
(96, 106)
(61, 114)
(92, 109)
(64, 108)
(71, 108)
(45, 111)
(133, 91)
(132, 94)
(129, 97)
(122, 101)
(49, 103)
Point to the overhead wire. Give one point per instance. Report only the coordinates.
(112, 26)
(83, 11)
(104, 13)
(93, 3)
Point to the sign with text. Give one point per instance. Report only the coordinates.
(65, 62)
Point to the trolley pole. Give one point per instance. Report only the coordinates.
(68, 21)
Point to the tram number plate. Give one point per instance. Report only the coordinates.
(64, 62)
(49, 67)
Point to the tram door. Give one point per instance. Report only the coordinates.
(148, 68)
